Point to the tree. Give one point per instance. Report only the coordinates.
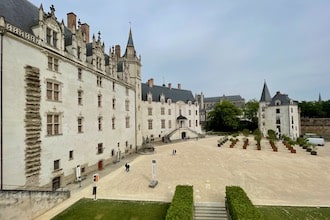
(224, 117)
(250, 112)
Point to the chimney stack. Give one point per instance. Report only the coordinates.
(179, 86)
(117, 51)
(151, 82)
(71, 21)
(170, 85)
(85, 30)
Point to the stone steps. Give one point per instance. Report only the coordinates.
(210, 211)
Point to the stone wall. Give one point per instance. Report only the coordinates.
(19, 204)
(320, 126)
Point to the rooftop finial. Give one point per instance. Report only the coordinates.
(52, 9)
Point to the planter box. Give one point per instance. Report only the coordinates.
(313, 152)
(309, 149)
(293, 151)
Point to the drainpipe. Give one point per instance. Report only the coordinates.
(2, 29)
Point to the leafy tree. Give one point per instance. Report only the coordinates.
(315, 109)
(250, 113)
(224, 117)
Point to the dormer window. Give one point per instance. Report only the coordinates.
(51, 37)
(277, 102)
(189, 103)
(169, 101)
(162, 99)
(149, 98)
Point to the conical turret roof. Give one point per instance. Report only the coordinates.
(265, 95)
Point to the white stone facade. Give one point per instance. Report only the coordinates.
(67, 103)
(280, 114)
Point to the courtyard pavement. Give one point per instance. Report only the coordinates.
(268, 178)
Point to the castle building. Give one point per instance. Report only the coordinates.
(278, 113)
(207, 104)
(68, 107)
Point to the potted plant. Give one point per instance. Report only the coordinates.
(314, 152)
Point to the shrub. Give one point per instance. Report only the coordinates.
(239, 205)
(182, 206)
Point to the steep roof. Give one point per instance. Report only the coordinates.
(20, 13)
(282, 98)
(265, 95)
(173, 94)
(130, 39)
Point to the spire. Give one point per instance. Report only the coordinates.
(130, 39)
(320, 99)
(130, 50)
(265, 95)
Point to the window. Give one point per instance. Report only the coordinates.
(98, 62)
(278, 120)
(113, 123)
(53, 91)
(149, 111)
(48, 35)
(150, 124)
(127, 91)
(127, 122)
(79, 52)
(71, 155)
(169, 111)
(113, 103)
(99, 120)
(180, 112)
(112, 152)
(277, 110)
(80, 125)
(149, 98)
(80, 92)
(169, 124)
(51, 37)
(163, 123)
(56, 165)
(196, 112)
(53, 124)
(100, 148)
(79, 74)
(113, 86)
(189, 112)
(99, 81)
(99, 100)
(127, 105)
(196, 123)
(162, 111)
(189, 123)
(52, 63)
(54, 38)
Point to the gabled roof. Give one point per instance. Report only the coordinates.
(265, 95)
(173, 94)
(231, 98)
(20, 13)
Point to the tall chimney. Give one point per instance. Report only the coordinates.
(85, 30)
(179, 86)
(117, 51)
(71, 20)
(151, 82)
(170, 86)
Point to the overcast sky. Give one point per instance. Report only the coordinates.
(219, 47)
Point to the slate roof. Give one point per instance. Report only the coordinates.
(265, 95)
(20, 13)
(173, 94)
(231, 98)
(283, 98)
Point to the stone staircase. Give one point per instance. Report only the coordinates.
(210, 211)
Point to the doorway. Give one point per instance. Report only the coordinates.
(100, 165)
(183, 135)
(56, 183)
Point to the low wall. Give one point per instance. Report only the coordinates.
(320, 126)
(21, 204)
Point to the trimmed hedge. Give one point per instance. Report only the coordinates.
(239, 205)
(182, 206)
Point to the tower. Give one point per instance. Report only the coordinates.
(133, 68)
(264, 101)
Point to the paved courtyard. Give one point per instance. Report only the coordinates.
(269, 178)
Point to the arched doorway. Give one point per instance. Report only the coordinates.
(183, 135)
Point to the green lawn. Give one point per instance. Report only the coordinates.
(114, 210)
(294, 213)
